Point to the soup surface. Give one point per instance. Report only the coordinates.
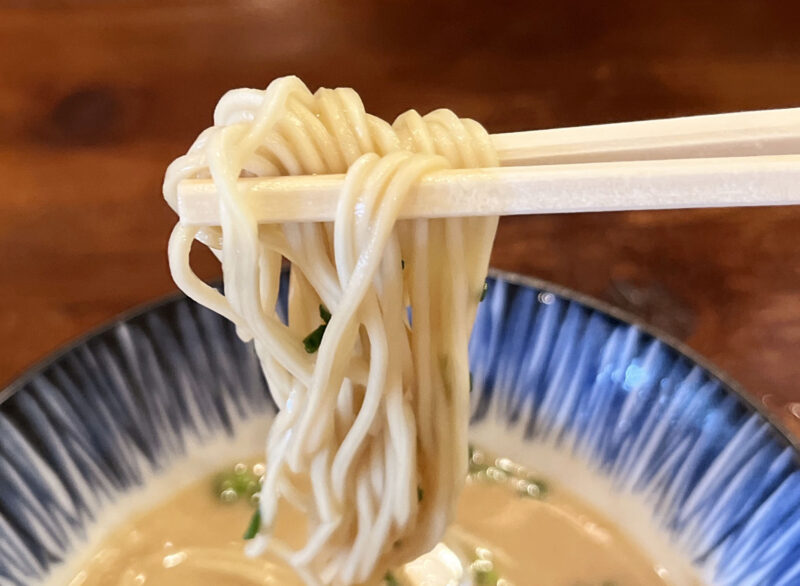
(510, 529)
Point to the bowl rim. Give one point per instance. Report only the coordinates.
(730, 384)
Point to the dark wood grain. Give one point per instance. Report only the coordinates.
(97, 96)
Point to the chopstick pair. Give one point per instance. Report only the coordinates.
(721, 160)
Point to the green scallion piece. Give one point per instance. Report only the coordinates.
(390, 580)
(254, 526)
(420, 494)
(324, 313)
(312, 341)
(486, 578)
(485, 289)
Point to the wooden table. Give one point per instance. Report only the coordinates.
(97, 96)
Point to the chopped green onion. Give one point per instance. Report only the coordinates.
(402, 264)
(540, 484)
(476, 463)
(390, 580)
(254, 526)
(312, 341)
(470, 382)
(324, 313)
(231, 485)
(485, 289)
(420, 494)
(486, 578)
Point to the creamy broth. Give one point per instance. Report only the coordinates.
(508, 531)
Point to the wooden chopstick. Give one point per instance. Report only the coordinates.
(635, 185)
(739, 159)
(763, 132)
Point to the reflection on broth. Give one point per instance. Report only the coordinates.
(510, 529)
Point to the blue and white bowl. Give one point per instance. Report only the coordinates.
(645, 432)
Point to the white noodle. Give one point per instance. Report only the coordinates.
(379, 413)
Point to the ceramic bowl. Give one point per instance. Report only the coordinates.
(623, 418)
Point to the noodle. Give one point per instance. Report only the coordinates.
(370, 440)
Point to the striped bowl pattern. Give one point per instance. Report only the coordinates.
(100, 417)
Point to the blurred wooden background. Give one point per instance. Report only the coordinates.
(97, 96)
